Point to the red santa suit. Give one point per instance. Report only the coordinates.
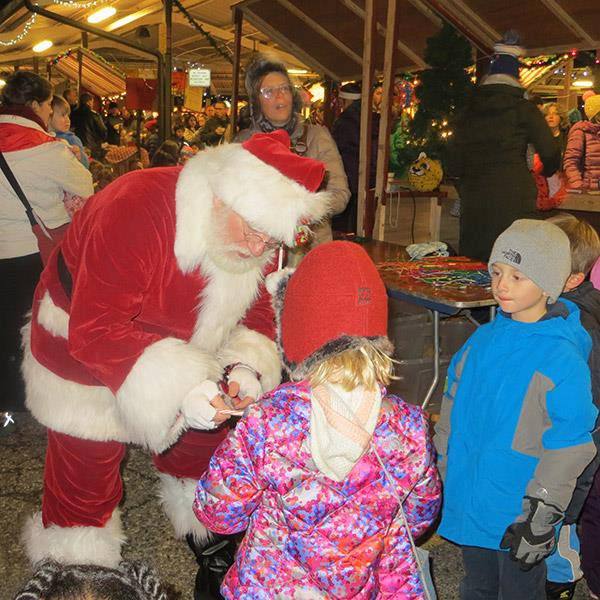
(132, 313)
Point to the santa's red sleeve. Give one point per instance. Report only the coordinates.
(148, 372)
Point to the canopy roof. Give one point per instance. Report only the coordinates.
(324, 35)
(328, 35)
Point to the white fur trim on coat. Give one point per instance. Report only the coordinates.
(53, 318)
(81, 545)
(149, 401)
(262, 195)
(255, 350)
(176, 496)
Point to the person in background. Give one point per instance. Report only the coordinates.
(70, 95)
(582, 156)
(192, 128)
(510, 462)
(551, 190)
(346, 133)
(60, 124)
(152, 139)
(274, 104)
(45, 169)
(488, 153)
(563, 566)
(179, 136)
(88, 125)
(209, 111)
(167, 155)
(212, 133)
(128, 581)
(114, 124)
(318, 467)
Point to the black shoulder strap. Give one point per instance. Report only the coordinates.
(15, 186)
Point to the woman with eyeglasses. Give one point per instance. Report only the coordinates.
(275, 104)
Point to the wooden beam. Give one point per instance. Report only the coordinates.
(481, 27)
(381, 30)
(427, 12)
(321, 30)
(365, 222)
(563, 48)
(383, 142)
(566, 19)
(306, 58)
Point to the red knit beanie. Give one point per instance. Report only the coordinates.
(335, 300)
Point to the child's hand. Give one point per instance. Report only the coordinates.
(244, 387)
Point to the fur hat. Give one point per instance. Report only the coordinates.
(269, 186)
(540, 250)
(257, 69)
(592, 106)
(506, 55)
(334, 301)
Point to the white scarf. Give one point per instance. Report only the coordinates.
(341, 427)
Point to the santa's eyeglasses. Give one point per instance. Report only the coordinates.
(268, 92)
(254, 237)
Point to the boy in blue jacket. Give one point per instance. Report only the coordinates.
(514, 431)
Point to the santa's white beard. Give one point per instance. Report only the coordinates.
(231, 257)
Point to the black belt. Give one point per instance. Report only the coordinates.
(63, 274)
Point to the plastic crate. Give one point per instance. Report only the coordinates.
(415, 378)
(401, 308)
(454, 332)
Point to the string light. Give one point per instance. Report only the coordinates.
(28, 25)
(75, 4)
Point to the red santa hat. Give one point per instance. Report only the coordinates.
(272, 188)
(334, 301)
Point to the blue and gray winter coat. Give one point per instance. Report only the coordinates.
(516, 420)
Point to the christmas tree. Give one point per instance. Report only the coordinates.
(443, 91)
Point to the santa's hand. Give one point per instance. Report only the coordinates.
(244, 386)
(200, 406)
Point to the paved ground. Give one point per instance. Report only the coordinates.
(148, 531)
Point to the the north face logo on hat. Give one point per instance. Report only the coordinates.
(364, 295)
(512, 255)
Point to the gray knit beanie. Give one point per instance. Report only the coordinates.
(540, 250)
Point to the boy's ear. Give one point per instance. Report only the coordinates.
(574, 280)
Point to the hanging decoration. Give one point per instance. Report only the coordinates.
(28, 25)
(75, 4)
(211, 40)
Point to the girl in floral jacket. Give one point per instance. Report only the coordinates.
(303, 471)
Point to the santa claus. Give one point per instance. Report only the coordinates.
(156, 296)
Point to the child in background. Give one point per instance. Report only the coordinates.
(564, 568)
(304, 471)
(60, 124)
(514, 431)
(129, 581)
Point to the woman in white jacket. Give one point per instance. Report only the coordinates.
(45, 168)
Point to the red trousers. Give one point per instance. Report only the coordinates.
(82, 479)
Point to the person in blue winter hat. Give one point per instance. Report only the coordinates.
(514, 430)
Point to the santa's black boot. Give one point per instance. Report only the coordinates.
(214, 558)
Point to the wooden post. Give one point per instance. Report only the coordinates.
(84, 39)
(385, 124)
(328, 115)
(165, 100)
(79, 70)
(364, 224)
(36, 65)
(238, 19)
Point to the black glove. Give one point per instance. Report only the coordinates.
(531, 537)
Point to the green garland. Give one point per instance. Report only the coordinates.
(206, 34)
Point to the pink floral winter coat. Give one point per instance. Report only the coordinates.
(310, 537)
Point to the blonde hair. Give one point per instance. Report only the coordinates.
(60, 102)
(365, 366)
(584, 241)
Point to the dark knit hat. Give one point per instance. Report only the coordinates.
(333, 302)
(506, 55)
(540, 250)
(350, 91)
